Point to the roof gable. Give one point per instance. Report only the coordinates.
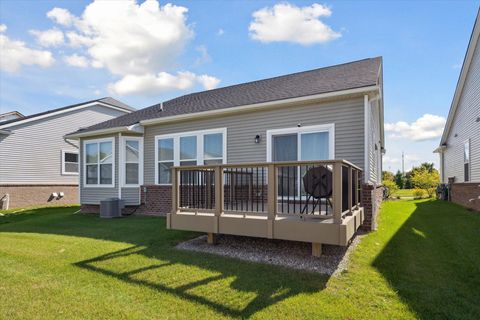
(472, 45)
(106, 102)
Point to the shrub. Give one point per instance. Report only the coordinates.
(418, 193)
(432, 192)
(390, 188)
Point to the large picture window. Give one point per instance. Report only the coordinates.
(132, 161)
(188, 149)
(99, 162)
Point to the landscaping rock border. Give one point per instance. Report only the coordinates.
(291, 254)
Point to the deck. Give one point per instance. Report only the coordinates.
(270, 200)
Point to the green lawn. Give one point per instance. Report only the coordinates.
(423, 262)
(403, 193)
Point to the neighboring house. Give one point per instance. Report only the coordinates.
(8, 116)
(38, 166)
(329, 113)
(460, 144)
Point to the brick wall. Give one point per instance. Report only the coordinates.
(466, 194)
(156, 199)
(372, 197)
(22, 196)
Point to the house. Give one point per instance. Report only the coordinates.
(37, 165)
(460, 143)
(305, 119)
(12, 115)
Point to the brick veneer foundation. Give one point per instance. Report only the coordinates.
(466, 194)
(155, 200)
(372, 197)
(22, 196)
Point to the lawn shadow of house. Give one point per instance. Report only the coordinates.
(433, 261)
(228, 286)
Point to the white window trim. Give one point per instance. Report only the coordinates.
(123, 162)
(469, 160)
(330, 128)
(65, 173)
(84, 166)
(176, 147)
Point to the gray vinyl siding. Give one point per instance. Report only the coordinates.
(131, 195)
(465, 126)
(31, 154)
(93, 195)
(241, 130)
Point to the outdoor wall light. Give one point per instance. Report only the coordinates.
(257, 139)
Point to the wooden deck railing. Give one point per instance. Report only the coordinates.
(325, 189)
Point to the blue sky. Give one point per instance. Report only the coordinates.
(422, 43)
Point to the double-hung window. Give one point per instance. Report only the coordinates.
(466, 161)
(99, 162)
(69, 162)
(132, 161)
(188, 149)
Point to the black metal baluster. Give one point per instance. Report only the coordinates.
(288, 189)
(257, 188)
(263, 182)
(235, 188)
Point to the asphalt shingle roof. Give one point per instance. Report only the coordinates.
(357, 74)
(106, 100)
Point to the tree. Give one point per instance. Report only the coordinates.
(387, 175)
(423, 179)
(399, 180)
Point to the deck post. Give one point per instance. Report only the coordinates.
(350, 193)
(357, 200)
(337, 192)
(271, 198)
(316, 249)
(175, 191)
(211, 238)
(219, 194)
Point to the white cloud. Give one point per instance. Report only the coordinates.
(427, 127)
(136, 42)
(48, 38)
(76, 60)
(208, 82)
(61, 16)
(128, 38)
(163, 81)
(97, 92)
(220, 32)
(16, 53)
(289, 23)
(204, 56)
(76, 40)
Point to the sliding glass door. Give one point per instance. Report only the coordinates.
(298, 144)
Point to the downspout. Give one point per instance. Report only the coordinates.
(119, 167)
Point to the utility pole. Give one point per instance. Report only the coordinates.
(403, 163)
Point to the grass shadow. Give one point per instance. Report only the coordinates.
(228, 286)
(433, 260)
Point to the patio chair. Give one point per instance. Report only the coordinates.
(317, 183)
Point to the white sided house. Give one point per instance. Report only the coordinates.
(38, 166)
(208, 158)
(460, 144)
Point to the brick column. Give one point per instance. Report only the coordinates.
(372, 197)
